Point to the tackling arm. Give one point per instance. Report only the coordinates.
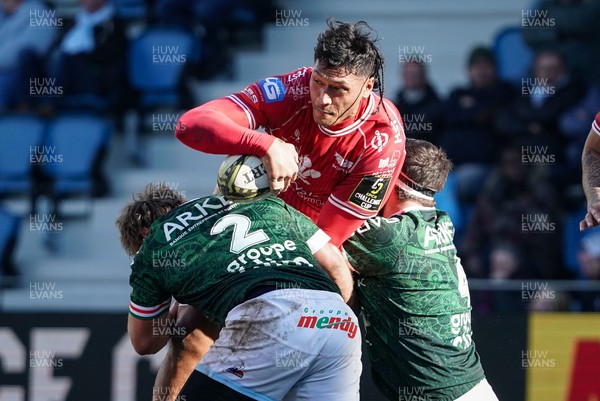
(144, 338)
(333, 262)
(591, 180)
(338, 224)
(184, 353)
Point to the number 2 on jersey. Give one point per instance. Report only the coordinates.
(241, 238)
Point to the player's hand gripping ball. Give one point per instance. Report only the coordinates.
(243, 178)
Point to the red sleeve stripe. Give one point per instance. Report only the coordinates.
(596, 126)
(346, 208)
(239, 102)
(149, 311)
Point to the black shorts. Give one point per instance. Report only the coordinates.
(200, 387)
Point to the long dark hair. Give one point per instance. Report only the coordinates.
(351, 47)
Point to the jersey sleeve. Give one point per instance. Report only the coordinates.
(272, 101)
(147, 300)
(375, 247)
(367, 187)
(315, 237)
(596, 124)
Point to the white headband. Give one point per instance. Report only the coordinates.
(411, 190)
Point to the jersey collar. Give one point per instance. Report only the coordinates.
(357, 123)
(413, 208)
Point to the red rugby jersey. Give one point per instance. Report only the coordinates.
(596, 124)
(346, 170)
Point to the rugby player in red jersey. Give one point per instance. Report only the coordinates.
(332, 146)
(591, 176)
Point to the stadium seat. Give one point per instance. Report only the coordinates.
(157, 59)
(20, 136)
(79, 141)
(513, 57)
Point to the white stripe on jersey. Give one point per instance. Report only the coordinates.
(596, 127)
(343, 206)
(317, 241)
(149, 311)
(239, 102)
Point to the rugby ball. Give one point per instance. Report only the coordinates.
(243, 178)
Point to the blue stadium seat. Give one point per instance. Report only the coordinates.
(513, 56)
(20, 137)
(156, 62)
(76, 141)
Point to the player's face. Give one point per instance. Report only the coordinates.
(336, 94)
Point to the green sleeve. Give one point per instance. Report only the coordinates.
(148, 298)
(375, 247)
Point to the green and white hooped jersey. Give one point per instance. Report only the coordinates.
(415, 301)
(209, 253)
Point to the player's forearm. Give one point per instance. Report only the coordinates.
(149, 344)
(591, 175)
(184, 353)
(337, 224)
(174, 371)
(210, 130)
(331, 260)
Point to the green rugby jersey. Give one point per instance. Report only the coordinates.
(209, 253)
(415, 301)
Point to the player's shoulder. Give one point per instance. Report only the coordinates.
(386, 123)
(596, 124)
(378, 225)
(299, 76)
(385, 110)
(291, 86)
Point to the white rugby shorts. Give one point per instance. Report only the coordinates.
(289, 344)
(481, 392)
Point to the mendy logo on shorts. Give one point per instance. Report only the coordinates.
(273, 89)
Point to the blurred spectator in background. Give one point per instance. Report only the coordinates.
(571, 28)
(21, 33)
(532, 120)
(588, 258)
(506, 262)
(550, 300)
(218, 24)
(88, 63)
(418, 102)
(519, 206)
(467, 132)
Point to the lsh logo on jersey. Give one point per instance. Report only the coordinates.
(398, 131)
(379, 140)
(273, 89)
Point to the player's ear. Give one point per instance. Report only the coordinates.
(144, 231)
(368, 87)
